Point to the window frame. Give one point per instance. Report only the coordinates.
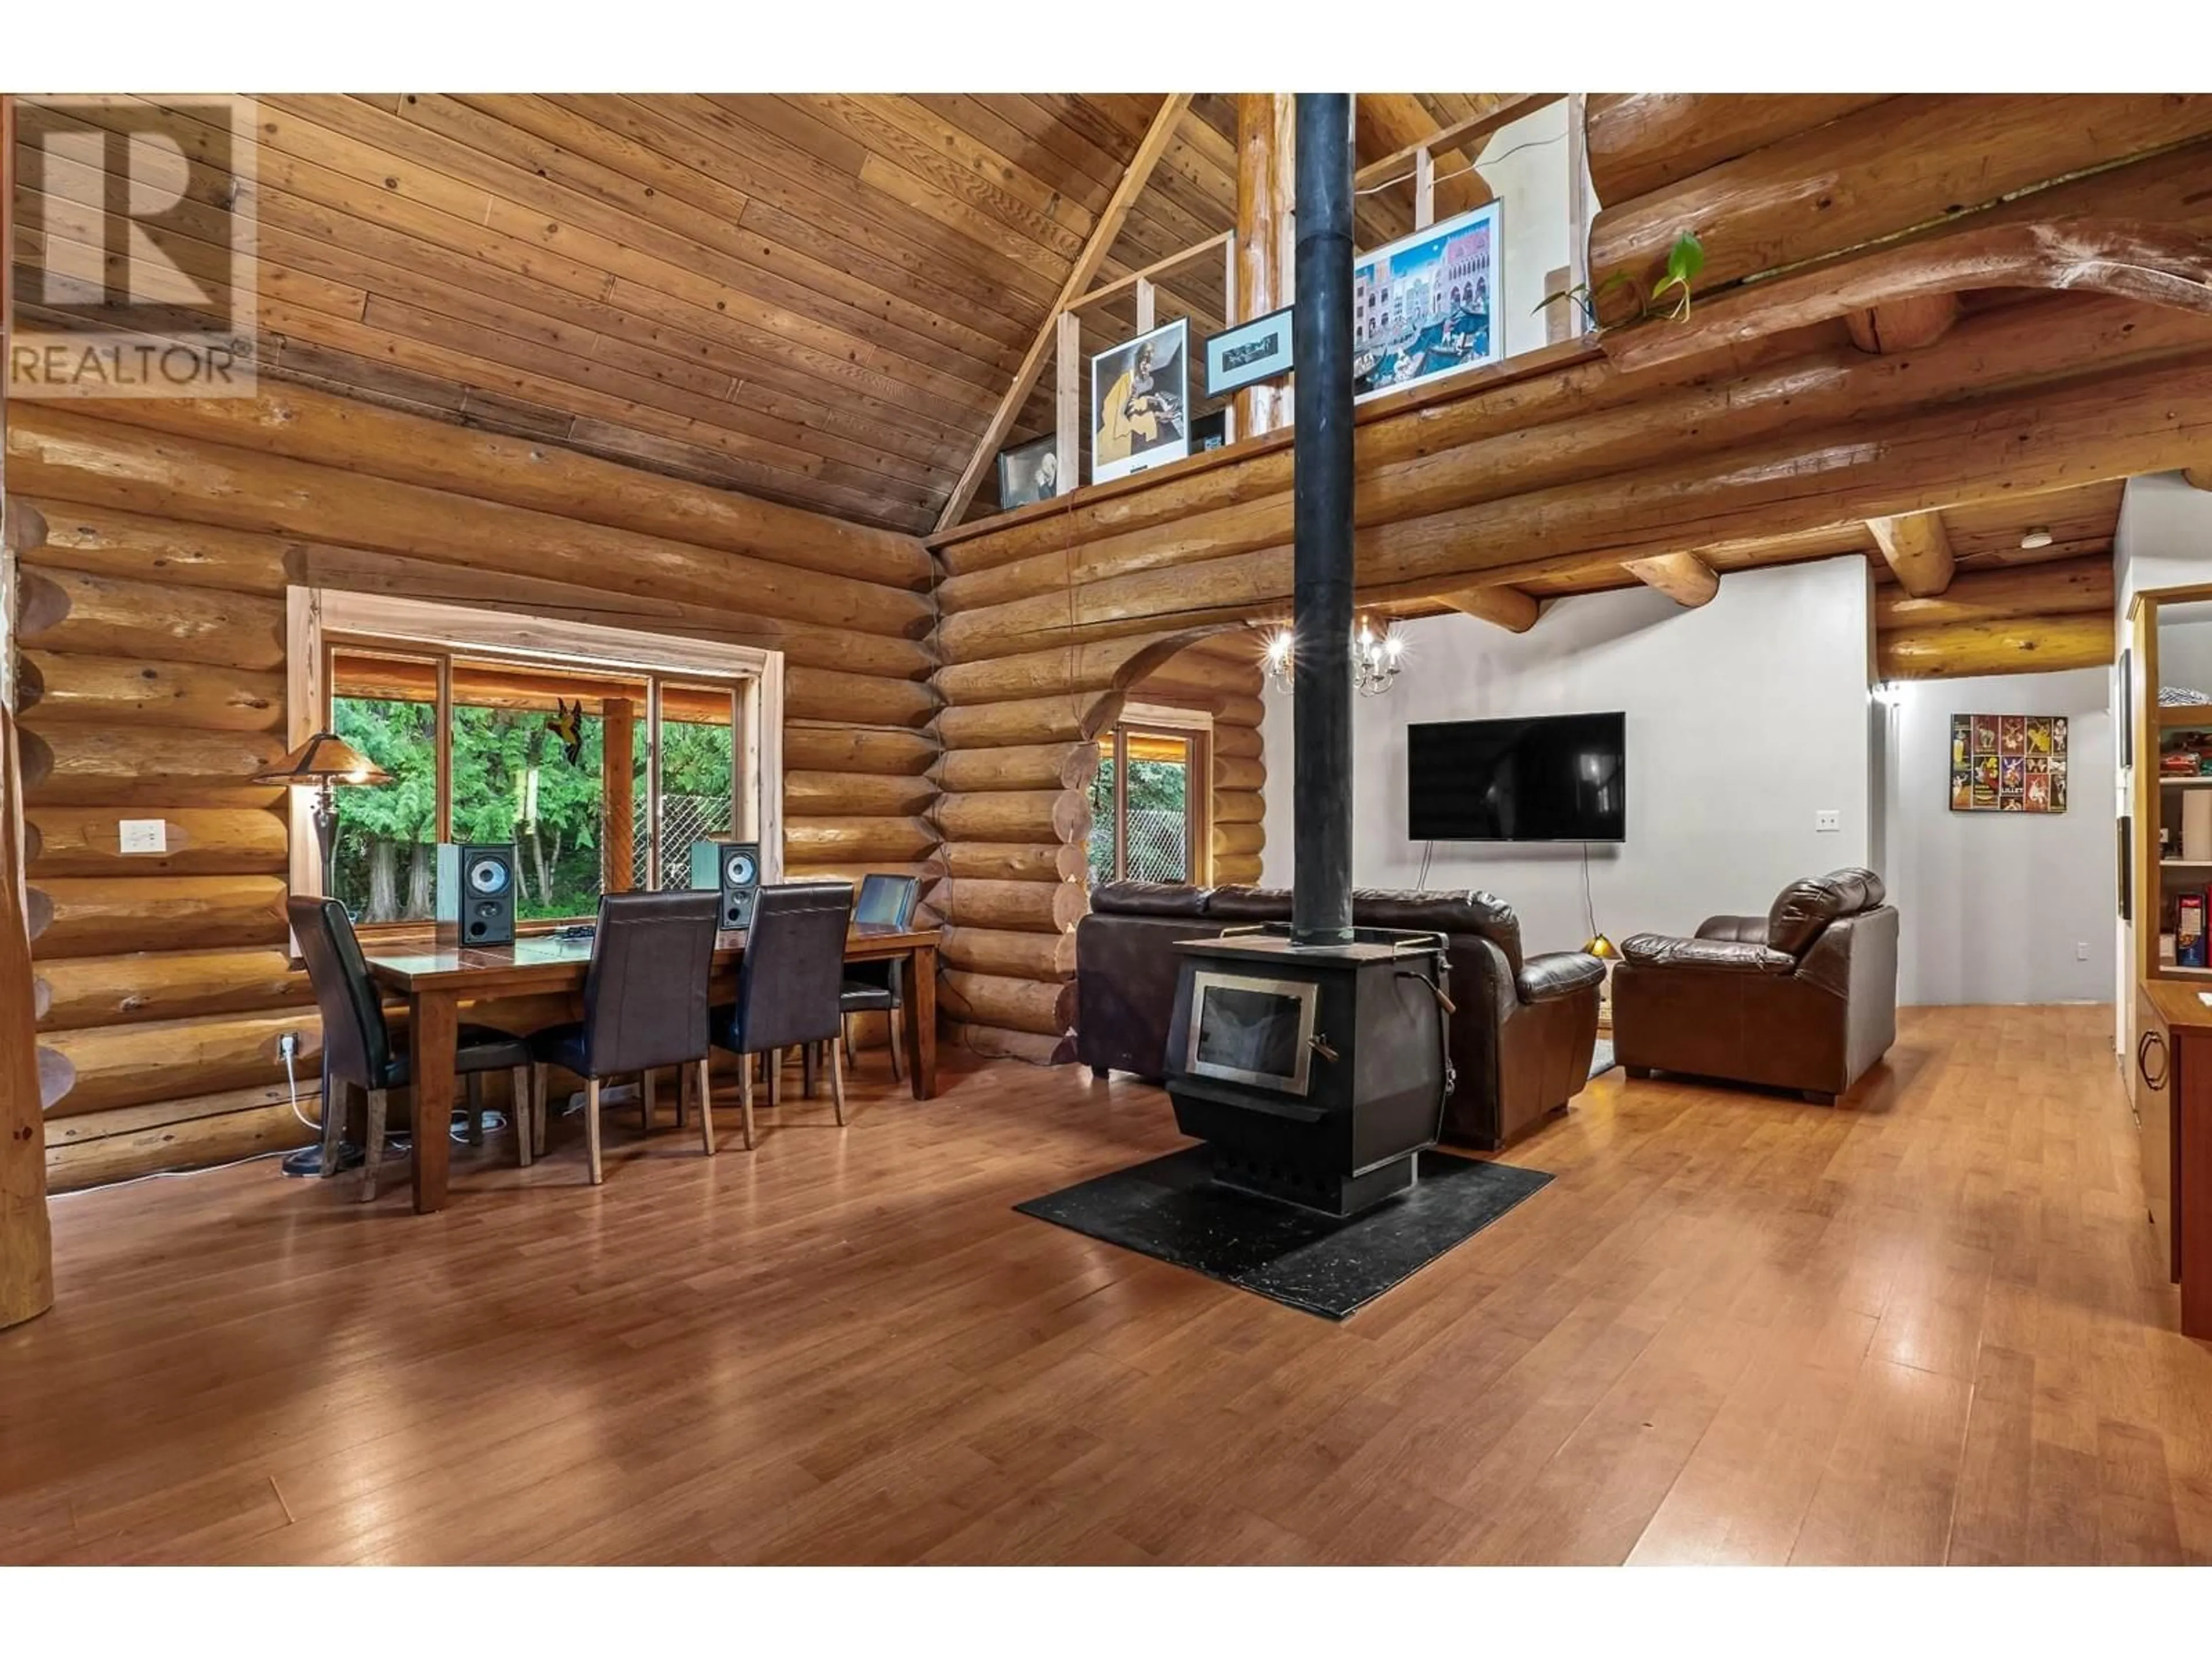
(320, 620)
(1163, 719)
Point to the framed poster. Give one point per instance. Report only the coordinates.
(1029, 472)
(1249, 354)
(1427, 304)
(2008, 762)
(2123, 701)
(1138, 399)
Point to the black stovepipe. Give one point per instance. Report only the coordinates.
(1320, 328)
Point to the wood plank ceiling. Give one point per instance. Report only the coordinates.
(817, 299)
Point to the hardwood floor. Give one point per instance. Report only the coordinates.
(1924, 1327)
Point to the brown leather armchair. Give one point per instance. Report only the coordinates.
(1520, 1041)
(1802, 998)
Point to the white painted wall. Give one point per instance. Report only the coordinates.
(1525, 164)
(1746, 717)
(1997, 908)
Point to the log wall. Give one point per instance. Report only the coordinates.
(152, 686)
(1021, 749)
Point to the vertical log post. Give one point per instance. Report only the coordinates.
(1321, 899)
(1067, 401)
(1266, 180)
(617, 767)
(27, 1255)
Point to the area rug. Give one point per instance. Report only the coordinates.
(1602, 1061)
(1169, 1210)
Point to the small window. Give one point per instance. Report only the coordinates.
(1148, 806)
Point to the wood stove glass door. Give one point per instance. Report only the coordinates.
(1245, 1029)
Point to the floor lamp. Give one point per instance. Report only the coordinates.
(321, 763)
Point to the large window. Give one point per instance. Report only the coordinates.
(599, 766)
(1148, 820)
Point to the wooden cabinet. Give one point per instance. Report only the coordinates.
(2170, 1084)
(2153, 1085)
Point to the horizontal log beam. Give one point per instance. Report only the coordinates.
(992, 860)
(74, 610)
(857, 748)
(99, 916)
(1920, 280)
(1033, 907)
(1028, 766)
(62, 686)
(1046, 1007)
(111, 990)
(87, 840)
(994, 1043)
(1641, 141)
(2030, 645)
(112, 1066)
(2007, 594)
(1761, 211)
(855, 794)
(1023, 817)
(1017, 956)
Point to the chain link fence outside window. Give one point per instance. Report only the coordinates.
(683, 819)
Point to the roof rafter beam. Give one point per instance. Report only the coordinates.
(1682, 577)
(1508, 608)
(1104, 234)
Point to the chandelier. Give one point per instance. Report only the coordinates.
(1376, 657)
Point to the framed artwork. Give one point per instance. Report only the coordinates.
(1249, 354)
(2123, 701)
(1139, 397)
(1427, 304)
(1029, 472)
(1209, 431)
(2008, 762)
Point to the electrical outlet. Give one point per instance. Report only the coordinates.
(1828, 822)
(288, 1046)
(2082, 951)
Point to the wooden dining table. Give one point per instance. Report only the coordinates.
(437, 978)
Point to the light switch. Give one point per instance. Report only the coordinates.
(1827, 823)
(145, 836)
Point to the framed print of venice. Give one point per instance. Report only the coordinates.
(1427, 304)
(1138, 399)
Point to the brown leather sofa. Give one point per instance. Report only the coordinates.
(1802, 998)
(1521, 1038)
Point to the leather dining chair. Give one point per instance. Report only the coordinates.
(788, 985)
(644, 1006)
(885, 904)
(357, 1048)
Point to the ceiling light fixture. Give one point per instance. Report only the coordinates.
(1377, 654)
(2037, 537)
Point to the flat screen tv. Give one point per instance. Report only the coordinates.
(1561, 777)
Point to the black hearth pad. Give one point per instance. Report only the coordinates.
(1168, 1209)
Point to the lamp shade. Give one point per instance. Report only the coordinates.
(324, 758)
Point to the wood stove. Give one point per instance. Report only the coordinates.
(1314, 1062)
(1315, 1072)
